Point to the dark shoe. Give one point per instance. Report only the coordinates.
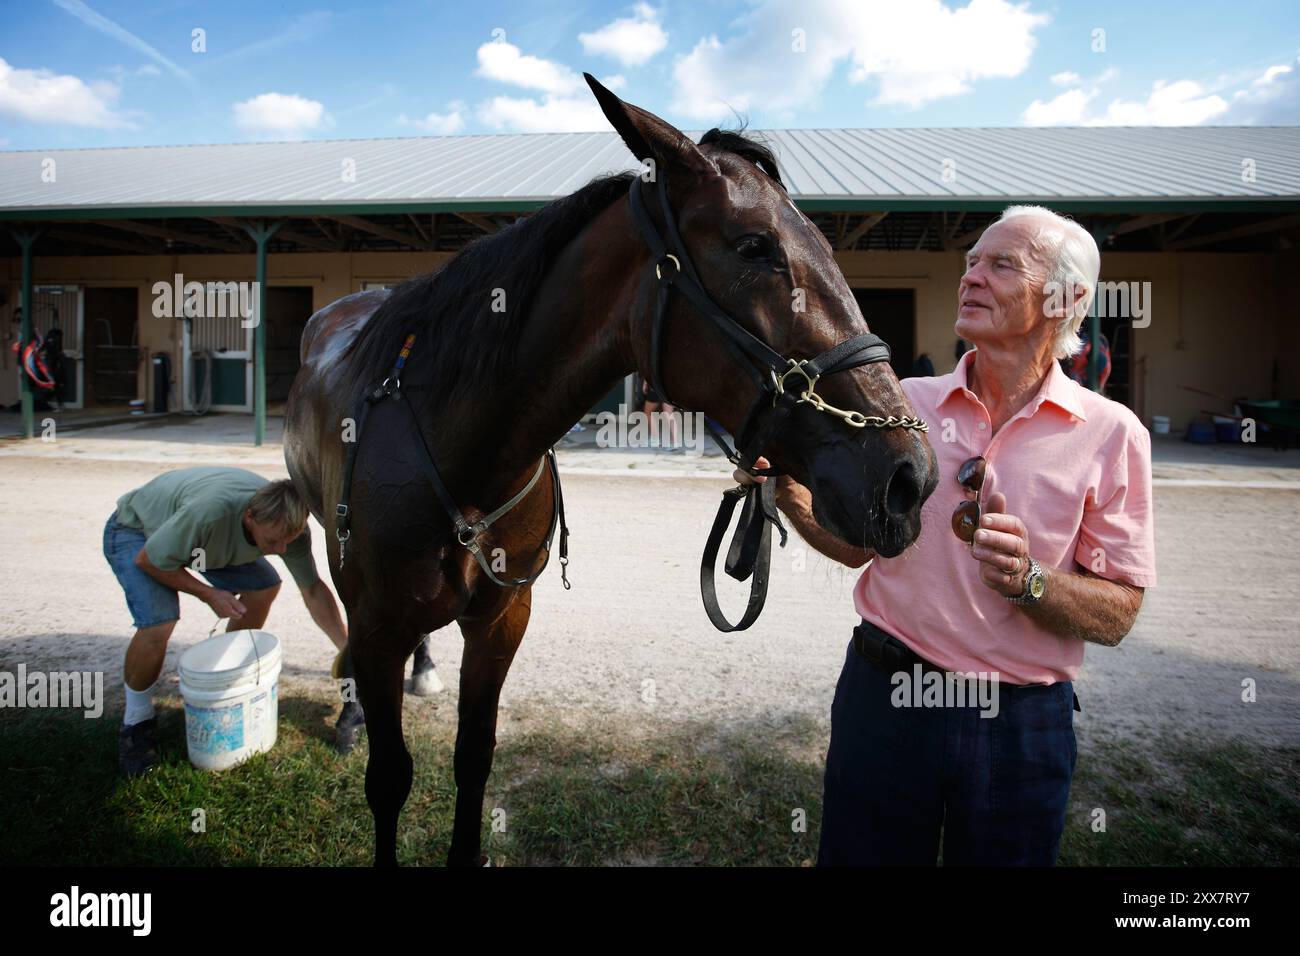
(348, 728)
(137, 748)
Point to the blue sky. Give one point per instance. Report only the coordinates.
(107, 73)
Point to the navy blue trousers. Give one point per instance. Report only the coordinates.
(996, 788)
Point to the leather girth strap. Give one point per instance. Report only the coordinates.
(467, 534)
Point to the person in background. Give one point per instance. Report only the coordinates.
(1076, 366)
(653, 403)
(219, 522)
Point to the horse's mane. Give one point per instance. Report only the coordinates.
(458, 336)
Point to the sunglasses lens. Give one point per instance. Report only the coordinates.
(971, 474)
(965, 520)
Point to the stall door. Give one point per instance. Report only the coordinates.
(223, 345)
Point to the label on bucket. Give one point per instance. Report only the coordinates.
(214, 730)
(259, 715)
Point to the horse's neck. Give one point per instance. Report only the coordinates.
(572, 348)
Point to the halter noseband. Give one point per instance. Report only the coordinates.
(779, 392)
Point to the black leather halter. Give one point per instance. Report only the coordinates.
(751, 546)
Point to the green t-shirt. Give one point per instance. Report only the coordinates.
(204, 508)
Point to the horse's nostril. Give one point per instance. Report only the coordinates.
(903, 491)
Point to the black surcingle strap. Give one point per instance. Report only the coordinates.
(467, 534)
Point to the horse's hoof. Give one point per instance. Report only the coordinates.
(487, 861)
(346, 734)
(345, 740)
(426, 683)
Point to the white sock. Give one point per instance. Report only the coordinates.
(139, 705)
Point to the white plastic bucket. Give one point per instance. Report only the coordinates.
(1160, 424)
(230, 684)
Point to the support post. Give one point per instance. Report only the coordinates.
(261, 232)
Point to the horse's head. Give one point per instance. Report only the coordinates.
(767, 266)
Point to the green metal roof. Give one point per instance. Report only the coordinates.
(1137, 169)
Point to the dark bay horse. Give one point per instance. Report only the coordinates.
(515, 339)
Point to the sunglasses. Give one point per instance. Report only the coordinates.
(966, 516)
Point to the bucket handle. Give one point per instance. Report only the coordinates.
(253, 639)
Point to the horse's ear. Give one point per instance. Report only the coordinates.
(649, 137)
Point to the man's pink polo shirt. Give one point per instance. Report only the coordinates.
(1075, 468)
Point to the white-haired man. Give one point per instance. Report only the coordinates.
(1039, 538)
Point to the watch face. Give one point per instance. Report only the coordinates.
(1037, 585)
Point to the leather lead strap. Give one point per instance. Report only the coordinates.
(750, 554)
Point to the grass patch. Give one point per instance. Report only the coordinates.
(603, 791)
(686, 796)
(1227, 805)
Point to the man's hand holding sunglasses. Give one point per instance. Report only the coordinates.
(1001, 546)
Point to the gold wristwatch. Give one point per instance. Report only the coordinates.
(1035, 585)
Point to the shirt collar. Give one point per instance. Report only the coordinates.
(1059, 389)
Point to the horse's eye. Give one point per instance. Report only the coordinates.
(755, 248)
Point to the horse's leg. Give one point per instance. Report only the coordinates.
(424, 679)
(352, 717)
(379, 658)
(489, 649)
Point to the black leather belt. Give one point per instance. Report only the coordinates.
(889, 653)
(884, 650)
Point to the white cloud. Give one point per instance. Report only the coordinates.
(552, 114)
(915, 52)
(148, 70)
(566, 104)
(1181, 103)
(505, 62)
(1066, 109)
(42, 96)
(1272, 73)
(1272, 99)
(1066, 79)
(279, 115)
(630, 40)
(615, 82)
(439, 124)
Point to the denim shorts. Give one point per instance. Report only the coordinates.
(151, 602)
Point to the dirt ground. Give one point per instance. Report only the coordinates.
(631, 637)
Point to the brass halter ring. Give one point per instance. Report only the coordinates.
(796, 367)
(856, 419)
(677, 262)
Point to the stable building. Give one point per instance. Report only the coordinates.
(1202, 224)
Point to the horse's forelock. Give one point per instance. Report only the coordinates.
(747, 148)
